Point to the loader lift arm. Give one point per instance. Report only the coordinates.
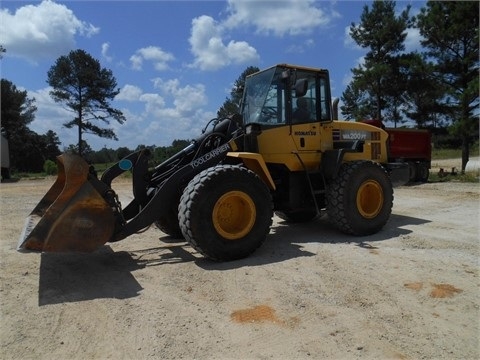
(165, 193)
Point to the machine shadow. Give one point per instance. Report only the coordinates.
(285, 241)
(108, 274)
(172, 251)
(81, 277)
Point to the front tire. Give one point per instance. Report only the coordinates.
(225, 212)
(360, 198)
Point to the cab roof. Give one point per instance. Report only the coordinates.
(293, 67)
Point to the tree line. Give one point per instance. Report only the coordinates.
(109, 156)
(437, 88)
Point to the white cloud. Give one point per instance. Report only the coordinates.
(129, 93)
(156, 55)
(51, 116)
(209, 49)
(290, 17)
(286, 17)
(105, 48)
(299, 48)
(348, 41)
(46, 30)
(167, 87)
(152, 102)
(412, 41)
(187, 99)
(175, 112)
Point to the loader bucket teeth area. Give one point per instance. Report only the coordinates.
(72, 216)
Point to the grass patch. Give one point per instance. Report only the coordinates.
(442, 154)
(100, 169)
(470, 177)
(445, 154)
(30, 176)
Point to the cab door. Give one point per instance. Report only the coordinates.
(307, 115)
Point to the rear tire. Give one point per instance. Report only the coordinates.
(225, 212)
(169, 225)
(360, 198)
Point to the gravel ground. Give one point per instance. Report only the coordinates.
(409, 292)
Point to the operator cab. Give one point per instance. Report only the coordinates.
(286, 95)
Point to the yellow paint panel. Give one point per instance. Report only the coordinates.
(256, 163)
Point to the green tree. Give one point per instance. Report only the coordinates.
(85, 88)
(421, 101)
(356, 104)
(74, 149)
(178, 144)
(450, 32)
(32, 157)
(103, 156)
(231, 105)
(51, 141)
(18, 111)
(50, 168)
(383, 33)
(123, 152)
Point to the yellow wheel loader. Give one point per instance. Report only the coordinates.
(284, 154)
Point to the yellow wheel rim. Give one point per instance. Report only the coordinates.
(234, 215)
(370, 199)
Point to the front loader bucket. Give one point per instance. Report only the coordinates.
(72, 216)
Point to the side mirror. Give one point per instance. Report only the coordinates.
(301, 87)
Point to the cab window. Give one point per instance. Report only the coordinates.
(313, 106)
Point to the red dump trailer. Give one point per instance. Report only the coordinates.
(413, 146)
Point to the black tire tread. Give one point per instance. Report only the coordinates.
(169, 227)
(338, 209)
(195, 190)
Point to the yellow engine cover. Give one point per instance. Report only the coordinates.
(301, 146)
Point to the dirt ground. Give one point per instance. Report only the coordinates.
(409, 292)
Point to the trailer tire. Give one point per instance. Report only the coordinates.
(360, 198)
(422, 172)
(225, 212)
(413, 171)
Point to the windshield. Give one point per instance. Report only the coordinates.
(266, 100)
(263, 98)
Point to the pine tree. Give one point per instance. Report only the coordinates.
(232, 105)
(79, 82)
(383, 33)
(450, 30)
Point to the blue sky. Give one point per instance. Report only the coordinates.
(174, 61)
